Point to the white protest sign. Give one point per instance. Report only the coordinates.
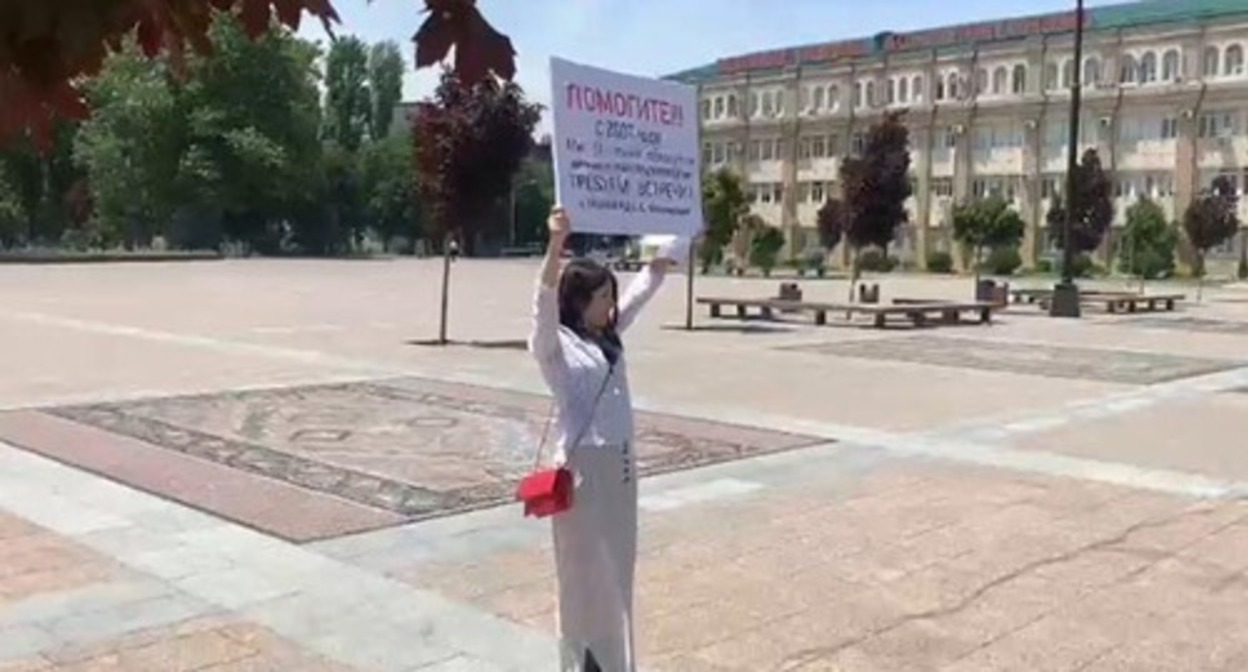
(626, 152)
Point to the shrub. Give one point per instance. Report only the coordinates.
(815, 259)
(1044, 266)
(1003, 261)
(939, 262)
(766, 249)
(1148, 242)
(1082, 266)
(876, 261)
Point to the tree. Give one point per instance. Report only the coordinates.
(535, 195)
(1211, 220)
(876, 186)
(990, 223)
(1146, 247)
(725, 202)
(830, 222)
(765, 249)
(389, 189)
(1093, 207)
(348, 103)
(12, 218)
(385, 82)
(472, 138)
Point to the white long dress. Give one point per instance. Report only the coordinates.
(596, 540)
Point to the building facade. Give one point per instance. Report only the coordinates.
(1165, 102)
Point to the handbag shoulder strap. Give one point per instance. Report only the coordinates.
(541, 447)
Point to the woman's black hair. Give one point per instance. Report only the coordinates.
(577, 284)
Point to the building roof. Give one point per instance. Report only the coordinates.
(1142, 13)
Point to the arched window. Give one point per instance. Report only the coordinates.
(834, 98)
(1092, 72)
(890, 91)
(1148, 68)
(916, 88)
(858, 100)
(903, 90)
(939, 93)
(1234, 60)
(1170, 65)
(1050, 76)
(870, 94)
(1019, 84)
(1068, 74)
(706, 108)
(754, 105)
(1213, 61)
(952, 90)
(733, 110)
(779, 103)
(817, 98)
(768, 104)
(981, 82)
(1129, 70)
(1000, 78)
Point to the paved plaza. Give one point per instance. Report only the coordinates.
(262, 465)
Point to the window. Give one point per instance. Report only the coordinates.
(1169, 128)
(999, 81)
(939, 93)
(769, 150)
(706, 109)
(951, 137)
(1019, 83)
(858, 94)
(981, 82)
(818, 147)
(1068, 74)
(803, 192)
(1234, 60)
(753, 104)
(1129, 70)
(1050, 186)
(1218, 124)
(803, 99)
(890, 92)
(1092, 72)
(719, 153)
(834, 98)
(903, 90)
(816, 192)
(1213, 59)
(769, 108)
(870, 94)
(764, 193)
(1148, 68)
(779, 103)
(707, 154)
(916, 88)
(1050, 76)
(803, 148)
(953, 90)
(756, 150)
(777, 191)
(719, 107)
(942, 186)
(857, 143)
(817, 95)
(1170, 66)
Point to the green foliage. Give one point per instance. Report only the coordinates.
(939, 261)
(724, 204)
(348, 102)
(385, 83)
(535, 195)
(1212, 219)
(989, 223)
(875, 260)
(1093, 206)
(877, 185)
(830, 222)
(1003, 261)
(1147, 245)
(12, 216)
(1083, 266)
(815, 259)
(765, 249)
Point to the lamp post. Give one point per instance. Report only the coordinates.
(1066, 294)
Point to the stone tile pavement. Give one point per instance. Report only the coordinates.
(950, 518)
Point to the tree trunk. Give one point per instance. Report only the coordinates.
(446, 289)
(855, 274)
(1200, 275)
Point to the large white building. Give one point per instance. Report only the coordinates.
(1165, 91)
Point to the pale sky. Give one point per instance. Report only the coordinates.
(660, 37)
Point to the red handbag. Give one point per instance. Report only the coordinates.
(547, 492)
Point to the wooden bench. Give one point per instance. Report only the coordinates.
(1120, 302)
(917, 311)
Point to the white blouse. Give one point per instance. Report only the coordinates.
(575, 368)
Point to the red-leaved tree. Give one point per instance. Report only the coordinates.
(470, 141)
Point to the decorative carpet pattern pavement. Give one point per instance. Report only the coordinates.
(1033, 359)
(407, 448)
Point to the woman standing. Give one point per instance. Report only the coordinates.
(577, 322)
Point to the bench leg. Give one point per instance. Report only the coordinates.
(767, 314)
(715, 312)
(985, 316)
(1169, 304)
(950, 317)
(918, 319)
(1152, 306)
(879, 320)
(821, 318)
(741, 312)
(1131, 306)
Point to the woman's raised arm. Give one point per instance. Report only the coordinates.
(544, 338)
